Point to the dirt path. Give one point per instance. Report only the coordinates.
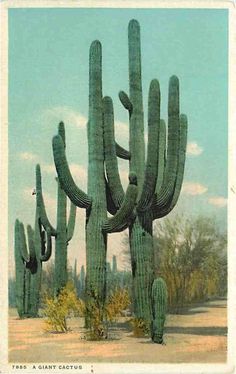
(197, 335)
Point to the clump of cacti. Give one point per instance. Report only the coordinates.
(25, 264)
(64, 230)
(159, 308)
(28, 265)
(96, 200)
(159, 177)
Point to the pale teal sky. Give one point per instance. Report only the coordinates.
(48, 82)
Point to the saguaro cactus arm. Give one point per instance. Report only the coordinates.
(40, 203)
(46, 246)
(71, 222)
(111, 164)
(125, 101)
(75, 194)
(111, 207)
(31, 246)
(28, 254)
(158, 210)
(151, 167)
(122, 153)
(173, 140)
(161, 156)
(125, 214)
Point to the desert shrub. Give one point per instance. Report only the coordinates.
(58, 309)
(118, 301)
(140, 327)
(100, 318)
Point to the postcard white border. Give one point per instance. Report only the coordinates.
(230, 366)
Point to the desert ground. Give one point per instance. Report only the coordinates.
(196, 335)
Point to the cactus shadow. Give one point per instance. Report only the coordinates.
(186, 312)
(199, 330)
(124, 326)
(217, 306)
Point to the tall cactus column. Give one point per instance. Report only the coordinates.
(95, 202)
(64, 230)
(43, 250)
(159, 177)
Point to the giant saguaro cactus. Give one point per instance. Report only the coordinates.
(64, 231)
(95, 201)
(159, 178)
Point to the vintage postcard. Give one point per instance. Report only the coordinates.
(118, 187)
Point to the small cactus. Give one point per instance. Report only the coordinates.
(159, 307)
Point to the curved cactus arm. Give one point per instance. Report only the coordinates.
(75, 194)
(161, 156)
(71, 222)
(125, 101)
(31, 246)
(122, 153)
(151, 168)
(111, 208)
(40, 203)
(111, 163)
(125, 214)
(62, 133)
(170, 172)
(23, 245)
(27, 254)
(46, 246)
(158, 210)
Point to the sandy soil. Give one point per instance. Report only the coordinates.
(196, 335)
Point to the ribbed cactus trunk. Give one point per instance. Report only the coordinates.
(60, 270)
(141, 243)
(35, 284)
(141, 250)
(96, 240)
(20, 273)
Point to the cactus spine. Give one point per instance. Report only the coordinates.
(95, 201)
(64, 231)
(159, 307)
(159, 178)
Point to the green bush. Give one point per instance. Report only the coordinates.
(58, 309)
(117, 301)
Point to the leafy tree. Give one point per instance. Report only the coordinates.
(190, 254)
